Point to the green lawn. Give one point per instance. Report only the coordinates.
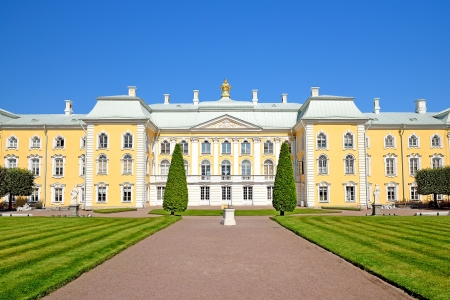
(410, 252)
(114, 210)
(244, 212)
(39, 255)
(342, 208)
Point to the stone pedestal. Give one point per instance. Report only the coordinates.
(376, 210)
(228, 217)
(73, 208)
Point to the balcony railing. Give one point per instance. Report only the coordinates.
(217, 178)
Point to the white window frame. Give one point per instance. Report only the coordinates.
(124, 186)
(246, 176)
(247, 193)
(410, 146)
(186, 166)
(10, 157)
(266, 164)
(244, 149)
(354, 185)
(30, 198)
(82, 142)
(32, 139)
(367, 141)
(124, 136)
(391, 185)
(269, 193)
(183, 144)
(205, 193)
(81, 166)
(167, 147)
(57, 157)
(388, 157)
(369, 164)
(394, 141)
(436, 156)
(410, 158)
(55, 186)
(98, 164)
(440, 141)
(123, 164)
(101, 185)
(99, 147)
(203, 145)
(204, 173)
(411, 187)
(326, 141)
(10, 145)
(161, 167)
(30, 164)
(160, 190)
(353, 160)
(319, 168)
(55, 142)
(226, 141)
(324, 185)
(270, 149)
(352, 147)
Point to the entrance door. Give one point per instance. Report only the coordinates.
(160, 194)
(226, 195)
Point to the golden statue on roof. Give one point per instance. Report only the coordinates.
(226, 88)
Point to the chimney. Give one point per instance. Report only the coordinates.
(166, 98)
(421, 106)
(315, 91)
(376, 105)
(284, 98)
(196, 97)
(132, 91)
(255, 96)
(68, 111)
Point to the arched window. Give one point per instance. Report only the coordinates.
(348, 140)
(436, 141)
(165, 147)
(127, 164)
(349, 164)
(184, 147)
(59, 142)
(413, 141)
(36, 142)
(127, 140)
(226, 147)
(246, 170)
(103, 140)
(186, 167)
(268, 147)
(226, 170)
(323, 164)
(165, 164)
(245, 147)
(205, 170)
(321, 141)
(12, 142)
(268, 169)
(102, 164)
(389, 141)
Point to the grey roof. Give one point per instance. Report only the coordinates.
(407, 118)
(330, 108)
(444, 116)
(46, 119)
(120, 107)
(6, 116)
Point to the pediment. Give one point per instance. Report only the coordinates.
(226, 122)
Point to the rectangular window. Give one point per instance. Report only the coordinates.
(414, 193)
(12, 163)
(59, 167)
(35, 167)
(269, 193)
(245, 148)
(390, 166)
(206, 148)
(83, 166)
(160, 192)
(248, 193)
(35, 195)
(101, 195)
(226, 148)
(413, 166)
(439, 197)
(60, 142)
(126, 194)
(437, 162)
(204, 193)
(58, 194)
(165, 148)
(184, 147)
(226, 193)
(323, 194)
(36, 143)
(268, 148)
(350, 193)
(82, 194)
(391, 196)
(127, 166)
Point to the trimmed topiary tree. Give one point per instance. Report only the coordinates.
(284, 191)
(176, 192)
(433, 182)
(15, 182)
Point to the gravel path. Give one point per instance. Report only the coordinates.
(197, 258)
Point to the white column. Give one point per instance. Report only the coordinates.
(277, 150)
(156, 155)
(140, 166)
(309, 166)
(173, 141)
(89, 167)
(362, 171)
(216, 156)
(257, 155)
(235, 154)
(194, 155)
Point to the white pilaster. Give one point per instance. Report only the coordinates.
(309, 167)
(156, 155)
(89, 166)
(362, 170)
(277, 150)
(235, 169)
(140, 166)
(216, 156)
(257, 155)
(194, 152)
(173, 141)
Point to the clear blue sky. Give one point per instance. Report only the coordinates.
(398, 51)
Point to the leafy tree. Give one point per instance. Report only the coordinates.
(176, 192)
(433, 181)
(15, 182)
(284, 191)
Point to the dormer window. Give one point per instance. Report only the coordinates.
(103, 141)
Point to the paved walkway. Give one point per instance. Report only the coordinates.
(197, 258)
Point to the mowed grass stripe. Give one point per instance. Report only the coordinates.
(365, 245)
(43, 276)
(59, 244)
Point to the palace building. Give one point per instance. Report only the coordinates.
(118, 155)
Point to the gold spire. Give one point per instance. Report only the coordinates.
(226, 88)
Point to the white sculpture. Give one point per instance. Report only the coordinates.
(74, 195)
(376, 194)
